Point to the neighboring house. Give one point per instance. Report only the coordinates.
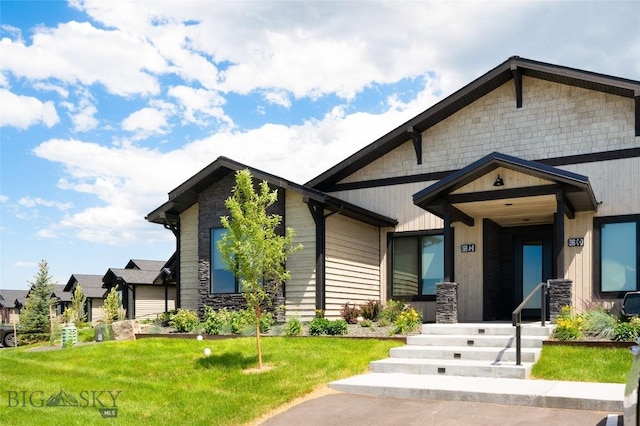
(11, 302)
(528, 173)
(147, 287)
(62, 298)
(93, 291)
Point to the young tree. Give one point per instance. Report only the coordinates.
(251, 249)
(34, 317)
(111, 306)
(78, 300)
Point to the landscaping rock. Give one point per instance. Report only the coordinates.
(125, 330)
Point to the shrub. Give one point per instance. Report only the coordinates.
(319, 313)
(408, 320)
(371, 310)
(212, 322)
(293, 327)
(366, 323)
(568, 324)
(625, 332)
(599, 323)
(350, 313)
(184, 320)
(337, 327)
(318, 326)
(165, 317)
(225, 321)
(391, 310)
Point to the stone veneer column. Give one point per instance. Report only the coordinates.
(560, 295)
(446, 303)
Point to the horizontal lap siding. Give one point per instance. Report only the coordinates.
(96, 310)
(150, 301)
(189, 259)
(352, 263)
(300, 290)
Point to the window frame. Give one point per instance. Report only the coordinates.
(212, 244)
(597, 253)
(391, 236)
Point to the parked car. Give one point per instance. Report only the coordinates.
(631, 307)
(7, 335)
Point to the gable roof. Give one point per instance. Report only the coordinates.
(186, 195)
(12, 296)
(60, 294)
(145, 265)
(577, 187)
(513, 67)
(130, 276)
(91, 285)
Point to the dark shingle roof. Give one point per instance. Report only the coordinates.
(91, 285)
(10, 297)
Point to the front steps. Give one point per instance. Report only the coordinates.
(469, 350)
(476, 362)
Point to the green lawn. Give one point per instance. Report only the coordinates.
(169, 381)
(583, 364)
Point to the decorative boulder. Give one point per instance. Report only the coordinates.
(125, 330)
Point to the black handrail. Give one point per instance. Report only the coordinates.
(517, 315)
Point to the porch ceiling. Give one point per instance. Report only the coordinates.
(520, 211)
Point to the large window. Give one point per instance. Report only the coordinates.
(617, 254)
(222, 280)
(417, 265)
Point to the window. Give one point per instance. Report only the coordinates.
(417, 265)
(222, 280)
(617, 254)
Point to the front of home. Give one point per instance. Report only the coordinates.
(526, 174)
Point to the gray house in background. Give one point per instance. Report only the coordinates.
(147, 287)
(93, 291)
(528, 173)
(11, 302)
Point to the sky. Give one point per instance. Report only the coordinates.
(107, 106)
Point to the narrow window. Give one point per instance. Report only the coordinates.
(222, 279)
(618, 262)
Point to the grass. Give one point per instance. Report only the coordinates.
(583, 364)
(169, 381)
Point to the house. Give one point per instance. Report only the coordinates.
(11, 302)
(526, 174)
(92, 290)
(62, 299)
(147, 287)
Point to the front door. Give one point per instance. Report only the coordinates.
(533, 257)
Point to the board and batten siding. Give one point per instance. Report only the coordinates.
(189, 259)
(352, 271)
(150, 300)
(300, 290)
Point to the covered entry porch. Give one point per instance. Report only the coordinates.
(504, 230)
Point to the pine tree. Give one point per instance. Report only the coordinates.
(34, 316)
(251, 249)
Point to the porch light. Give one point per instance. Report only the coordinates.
(498, 181)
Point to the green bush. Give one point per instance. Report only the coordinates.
(599, 323)
(225, 321)
(391, 310)
(625, 332)
(371, 310)
(31, 338)
(366, 323)
(350, 313)
(318, 326)
(212, 322)
(184, 320)
(568, 324)
(408, 320)
(293, 327)
(337, 327)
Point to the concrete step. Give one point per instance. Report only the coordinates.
(441, 367)
(607, 397)
(469, 340)
(464, 353)
(529, 329)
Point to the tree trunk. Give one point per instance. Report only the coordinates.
(258, 313)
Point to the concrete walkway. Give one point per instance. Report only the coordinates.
(606, 397)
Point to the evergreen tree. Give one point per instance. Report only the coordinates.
(78, 301)
(251, 249)
(35, 315)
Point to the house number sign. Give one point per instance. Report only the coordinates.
(468, 248)
(575, 242)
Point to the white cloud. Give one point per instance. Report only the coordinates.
(199, 105)
(149, 120)
(83, 113)
(37, 201)
(3, 199)
(25, 264)
(25, 111)
(47, 87)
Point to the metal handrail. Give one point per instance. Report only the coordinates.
(517, 316)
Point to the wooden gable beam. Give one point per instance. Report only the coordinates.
(637, 99)
(416, 137)
(517, 79)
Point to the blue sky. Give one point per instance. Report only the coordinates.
(107, 106)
